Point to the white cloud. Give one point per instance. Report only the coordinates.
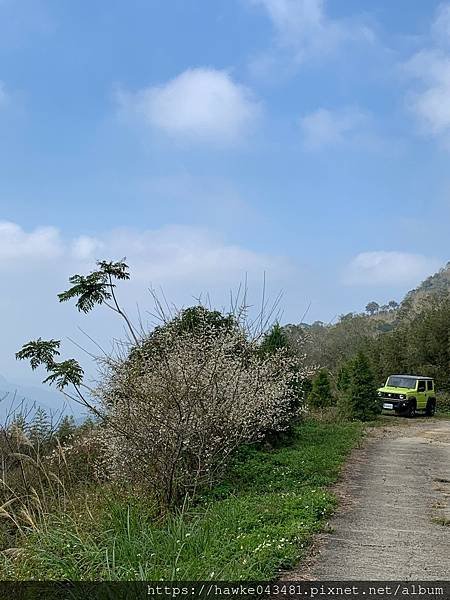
(199, 104)
(43, 243)
(187, 262)
(441, 26)
(389, 268)
(303, 28)
(188, 256)
(322, 127)
(429, 101)
(172, 254)
(84, 247)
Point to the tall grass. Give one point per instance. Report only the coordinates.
(257, 521)
(38, 480)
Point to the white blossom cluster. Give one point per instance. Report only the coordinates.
(179, 404)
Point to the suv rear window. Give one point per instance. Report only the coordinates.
(430, 385)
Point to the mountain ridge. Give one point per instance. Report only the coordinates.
(14, 396)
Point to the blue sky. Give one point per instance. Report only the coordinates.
(208, 141)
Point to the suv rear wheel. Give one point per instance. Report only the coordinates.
(431, 407)
(411, 409)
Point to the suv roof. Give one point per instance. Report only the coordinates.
(414, 377)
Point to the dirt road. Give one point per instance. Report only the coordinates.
(394, 519)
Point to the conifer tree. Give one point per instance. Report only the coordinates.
(40, 429)
(274, 340)
(321, 394)
(359, 397)
(66, 428)
(343, 378)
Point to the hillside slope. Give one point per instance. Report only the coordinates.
(330, 345)
(437, 285)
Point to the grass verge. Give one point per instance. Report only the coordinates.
(257, 521)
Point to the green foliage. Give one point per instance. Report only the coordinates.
(192, 320)
(97, 287)
(313, 457)
(321, 394)
(372, 308)
(42, 352)
(306, 388)
(89, 290)
(39, 352)
(343, 378)
(443, 402)
(419, 345)
(66, 429)
(274, 340)
(358, 399)
(65, 373)
(40, 430)
(331, 345)
(412, 337)
(195, 317)
(87, 426)
(260, 519)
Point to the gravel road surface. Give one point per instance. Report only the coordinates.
(394, 518)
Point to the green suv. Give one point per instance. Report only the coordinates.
(406, 394)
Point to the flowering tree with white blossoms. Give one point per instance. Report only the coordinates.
(181, 399)
(178, 408)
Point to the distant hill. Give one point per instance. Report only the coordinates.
(437, 285)
(13, 396)
(331, 344)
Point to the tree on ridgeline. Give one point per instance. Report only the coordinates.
(372, 308)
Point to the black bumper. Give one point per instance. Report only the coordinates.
(397, 405)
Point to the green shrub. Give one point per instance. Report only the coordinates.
(321, 395)
(443, 402)
(358, 398)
